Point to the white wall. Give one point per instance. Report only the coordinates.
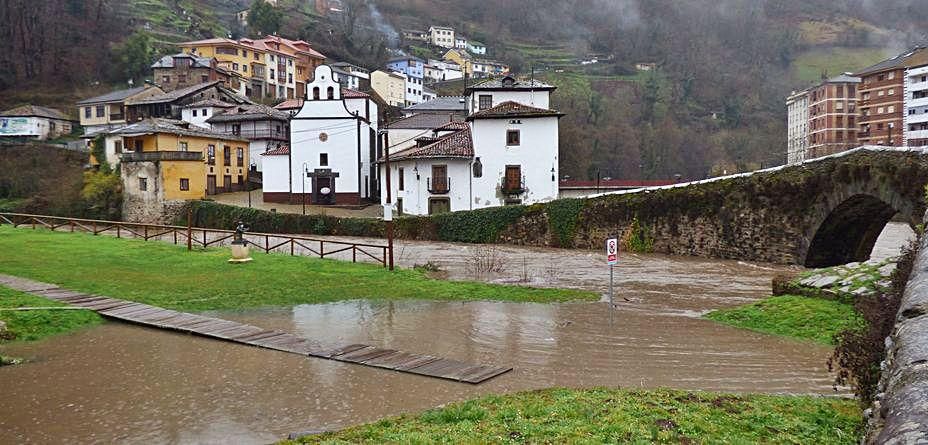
(415, 193)
(405, 138)
(275, 174)
(537, 154)
(203, 113)
(538, 98)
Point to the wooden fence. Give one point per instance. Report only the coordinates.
(268, 242)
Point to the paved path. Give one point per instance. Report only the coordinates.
(152, 316)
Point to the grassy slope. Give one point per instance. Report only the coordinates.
(35, 325)
(619, 416)
(166, 275)
(809, 65)
(797, 317)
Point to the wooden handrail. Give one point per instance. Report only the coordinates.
(154, 231)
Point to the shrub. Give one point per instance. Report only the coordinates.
(102, 194)
(562, 219)
(638, 238)
(476, 226)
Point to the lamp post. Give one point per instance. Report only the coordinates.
(388, 218)
(303, 195)
(251, 168)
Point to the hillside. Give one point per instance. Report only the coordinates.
(714, 104)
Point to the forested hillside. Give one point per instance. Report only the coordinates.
(714, 104)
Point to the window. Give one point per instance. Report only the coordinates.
(182, 146)
(101, 111)
(204, 78)
(205, 112)
(289, 78)
(513, 179)
(87, 112)
(879, 110)
(315, 93)
(891, 109)
(194, 113)
(240, 156)
(881, 93)
(211, 154)
(235, 67)
(866, 96)
(117, 146)
(330, 93)
(323, 159)
(184, 184)
(486, 101)
(138, 145)
(272, 73)
(236, 129)
(839, 106)
(891, 75)
(244, 53)
(512, 137)
(181, 78)
(401, 184)
(143, 184)
(226, 155)
(244, 68)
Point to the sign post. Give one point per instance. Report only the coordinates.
(612, 258)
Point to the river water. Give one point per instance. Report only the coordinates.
(129, 384)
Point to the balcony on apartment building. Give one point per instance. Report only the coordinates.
(919, 99)
(920, 116)
(916, 134)
(151, 156)
(438, 186)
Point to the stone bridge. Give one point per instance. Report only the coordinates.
(824, 212)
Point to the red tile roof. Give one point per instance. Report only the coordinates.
(513, 109)
(283, 150)
(453, 126)
(289, 104)
(348, 93)
(455, 145)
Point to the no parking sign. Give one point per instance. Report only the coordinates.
(612, 251)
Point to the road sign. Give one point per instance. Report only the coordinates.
(612, 251)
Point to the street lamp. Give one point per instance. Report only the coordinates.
(303, 195)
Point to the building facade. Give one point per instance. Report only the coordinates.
(880, 102)
(414, 69)
(391, 86)
(34, 122)
(797, 127)
(441, 36)
(182, 70)
(333, 142)
(915, 110)
(264, 127)
(833, 116)
(109, 110)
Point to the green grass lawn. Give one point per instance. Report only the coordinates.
(169, 276)
(808, 66)
(804, 318)
(619, 416)
(36, 325)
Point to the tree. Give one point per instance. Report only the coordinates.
(263, 18)
(135, 56)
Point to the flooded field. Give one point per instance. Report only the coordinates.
(127, 384)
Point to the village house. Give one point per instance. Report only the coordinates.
(488, 68)
(461, 58)
(34, 122)
(264, 127)
(476, 47)
(182, 70)
(198, 113)
(441, 105)
(505, 153)
(109, 110)
(390, 86)
(290, 106)
(440, 71)
(441, 36)
(163, 162)
(414, 35)
(402, 133)
(428, 94)
(460, 42)
(333, 143)
(170, 105)
(414, 69)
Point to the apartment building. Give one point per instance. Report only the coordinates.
(797, 126)
(880, 99)
(833, 116)
(915, 111)
(441, 36)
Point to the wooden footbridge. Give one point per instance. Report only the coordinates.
(143, 314)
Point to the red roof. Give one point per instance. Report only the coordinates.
(289, 104)
(615, 183)
(455, 145)
(452, 126)
(513, 109)
(348, 93)
(283, 150)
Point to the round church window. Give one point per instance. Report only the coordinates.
(323, 137)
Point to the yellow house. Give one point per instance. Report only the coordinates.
(462, 58)
(390, 86)
(109, 110)
(165, 160)
(242, 61)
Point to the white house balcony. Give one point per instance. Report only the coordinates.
(913, 86)
(920, 102)
(917, 134)
(917, 118)
(438, 186)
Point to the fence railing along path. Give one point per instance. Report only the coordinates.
(203, 237)
(361, 354)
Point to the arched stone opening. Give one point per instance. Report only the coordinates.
(849, 232)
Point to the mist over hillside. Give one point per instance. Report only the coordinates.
(714, 104)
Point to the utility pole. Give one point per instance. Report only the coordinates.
(388, 208)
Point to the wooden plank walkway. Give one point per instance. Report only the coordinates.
(361, 354)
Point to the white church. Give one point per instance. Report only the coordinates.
(505, 153)
(332, 152)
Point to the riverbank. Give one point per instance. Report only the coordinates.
(38, 324)
(169, 276)
(798, 317)
(618, 415)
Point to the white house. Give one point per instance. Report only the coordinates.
(198, 112)
(460, 42)
(503, 154)
(476, 47)
(333, 141)
(491, 93)
(264, 127)
(438, 71)
(442, 36)
(32, 121)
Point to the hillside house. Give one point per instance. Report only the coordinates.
(182, 70)
(402, 133)
(198, 113)
(505, 153)
(108, 111)
(264, 127)
(476, 47)
(414, 69)
(440, 71)
(441, 36)
(34, 122)
(460, 42)
(170, 105)
(333, 143)
(390, 86)
(442, 105)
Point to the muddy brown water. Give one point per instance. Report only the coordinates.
(118, 383)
